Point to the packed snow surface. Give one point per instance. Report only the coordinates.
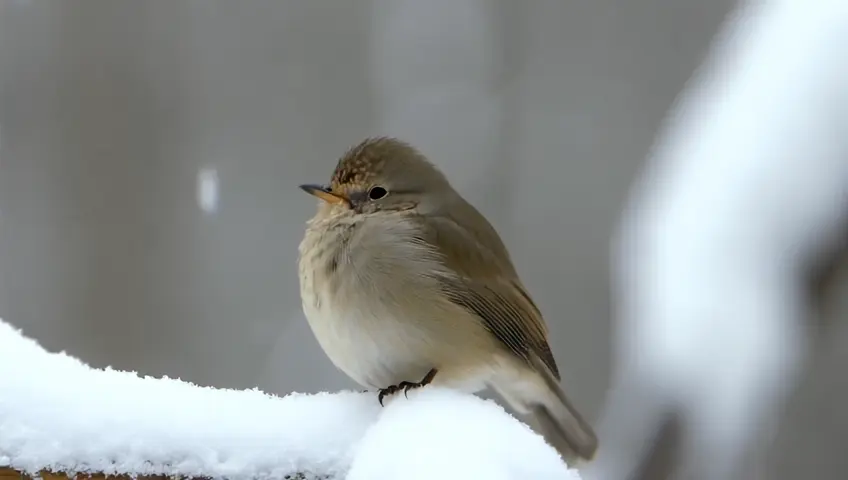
(58, 413)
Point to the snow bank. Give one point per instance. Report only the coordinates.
(59, 414)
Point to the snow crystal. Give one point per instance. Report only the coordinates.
(57, 413)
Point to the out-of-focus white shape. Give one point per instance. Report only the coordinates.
(207, 190)
(748, 181)
(57, 413)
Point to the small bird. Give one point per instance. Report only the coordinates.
(404, 284)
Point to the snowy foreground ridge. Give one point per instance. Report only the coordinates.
(57, 413)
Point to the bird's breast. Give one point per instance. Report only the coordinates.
(354, 307)
(371, 295)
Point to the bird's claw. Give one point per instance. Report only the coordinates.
(406, 386)
(390, 390)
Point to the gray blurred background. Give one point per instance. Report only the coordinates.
(541, 113)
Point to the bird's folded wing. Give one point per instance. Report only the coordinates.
(487, 286)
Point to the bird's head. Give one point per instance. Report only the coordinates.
(382, 175)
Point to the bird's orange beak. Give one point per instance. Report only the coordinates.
(323, 192)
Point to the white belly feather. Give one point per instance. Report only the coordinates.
(374, 357)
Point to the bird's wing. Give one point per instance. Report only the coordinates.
(486, 284)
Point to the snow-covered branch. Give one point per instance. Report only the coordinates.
(58, 414)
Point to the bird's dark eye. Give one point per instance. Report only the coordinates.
(377, 193)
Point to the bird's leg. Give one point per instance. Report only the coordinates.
(406, 386)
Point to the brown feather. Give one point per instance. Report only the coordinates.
(487, 285)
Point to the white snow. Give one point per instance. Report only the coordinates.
(59, 414)
(445, 434)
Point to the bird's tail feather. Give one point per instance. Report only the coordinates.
(564, 430)
(561, 424)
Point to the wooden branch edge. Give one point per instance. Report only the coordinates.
(9, 473)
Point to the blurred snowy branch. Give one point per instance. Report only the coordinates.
(745, 189)
(58, 414)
